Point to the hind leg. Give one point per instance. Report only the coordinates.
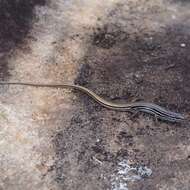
(155, 119)
(134, 114)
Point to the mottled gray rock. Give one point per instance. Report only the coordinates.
(124, 50)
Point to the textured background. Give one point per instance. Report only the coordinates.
(124, 50)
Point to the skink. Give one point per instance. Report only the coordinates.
(150, 108)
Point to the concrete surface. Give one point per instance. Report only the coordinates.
(124, 50)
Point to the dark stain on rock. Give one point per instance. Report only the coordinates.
(15, 21)
(158, 60)
(102, 38)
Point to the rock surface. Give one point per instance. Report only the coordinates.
(124, 50)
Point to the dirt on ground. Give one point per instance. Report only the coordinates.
(125, 51)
